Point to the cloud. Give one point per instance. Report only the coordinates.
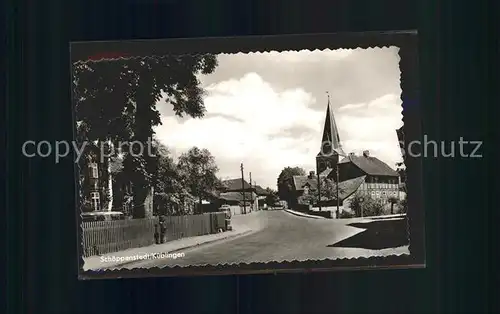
(372, 126)
(267, 110)
(351, 76)
(259, 132)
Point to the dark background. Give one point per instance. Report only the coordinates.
(455, 76)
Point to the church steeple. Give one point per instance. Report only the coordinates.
(331, 138)
(330, 148)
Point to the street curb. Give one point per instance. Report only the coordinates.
(176, 250)
(303, 215)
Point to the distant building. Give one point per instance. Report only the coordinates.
(363, 174)
(240, 195)
(104, 187)
(381, 181)
(96, 182)
(262, 195)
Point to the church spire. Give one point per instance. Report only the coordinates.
(331, 139)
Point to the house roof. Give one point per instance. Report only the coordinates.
(235, 184)
(237, 196)
(300, 182)
(260, 190)
(347, 187)
(326, 172)
(371, 165)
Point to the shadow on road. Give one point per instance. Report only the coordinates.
(379, 234)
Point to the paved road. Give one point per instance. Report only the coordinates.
(279, 236)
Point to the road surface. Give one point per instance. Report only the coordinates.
(277, 236)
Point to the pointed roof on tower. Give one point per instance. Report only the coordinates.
(330, 132)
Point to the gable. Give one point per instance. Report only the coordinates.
(260, 191)
(371, 166)
(299, 182)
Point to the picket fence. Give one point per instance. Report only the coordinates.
(102, 237)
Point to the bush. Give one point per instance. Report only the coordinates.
(365, 205)
(372, 207)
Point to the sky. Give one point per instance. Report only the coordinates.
(267, 110)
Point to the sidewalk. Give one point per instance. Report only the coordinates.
(293, 212)
(97, 262)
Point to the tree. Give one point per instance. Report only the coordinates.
(116, 101)
(271, 197)
(328, 191)
(198, 168)
(357, 204)
(285, 189)
(169, 190)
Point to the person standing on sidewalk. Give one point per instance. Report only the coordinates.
(163, 228)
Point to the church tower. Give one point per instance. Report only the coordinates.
(330, 148)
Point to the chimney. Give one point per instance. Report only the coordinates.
(311, 174)
(366, 153)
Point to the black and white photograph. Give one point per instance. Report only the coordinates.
(239, 158)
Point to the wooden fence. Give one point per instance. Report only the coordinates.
(102, 237)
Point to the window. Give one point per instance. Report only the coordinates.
(94, 171)
(95, 201)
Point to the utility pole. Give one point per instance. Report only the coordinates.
(243, 189)
(319, 192)
(251, 193)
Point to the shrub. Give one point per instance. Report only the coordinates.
(365, 205)
(373, 207)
